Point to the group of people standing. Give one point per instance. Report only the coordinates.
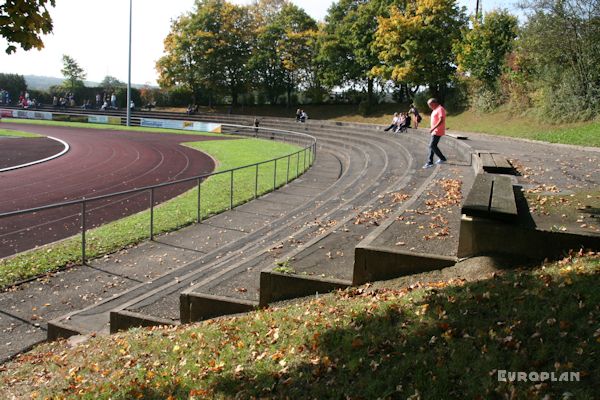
(4, 96)
(402, 121)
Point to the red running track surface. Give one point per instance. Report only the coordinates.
(99, 162)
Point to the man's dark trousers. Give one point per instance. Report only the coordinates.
(433, 149)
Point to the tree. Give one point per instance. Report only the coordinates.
(209, 48)
(23, 21)
(346, 50)
(483, 49)
(296, 45)
(110, 83)
(415, 43)
(179, 66)
(73, 73)
(561, 41)
(13, 83)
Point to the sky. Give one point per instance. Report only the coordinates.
(95, 34)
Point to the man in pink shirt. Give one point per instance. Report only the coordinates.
(438, 129)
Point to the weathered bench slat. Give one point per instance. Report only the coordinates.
(487, 161)
(503, 204)
(478, 199)
(501, 161)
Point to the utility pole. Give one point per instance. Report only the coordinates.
(129, 70)
(477, 3)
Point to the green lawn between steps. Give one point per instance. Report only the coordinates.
(174, 214)
(445, 340)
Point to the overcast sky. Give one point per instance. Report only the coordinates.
(95, 34)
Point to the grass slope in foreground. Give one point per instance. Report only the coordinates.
(437, 341)
(171, 215)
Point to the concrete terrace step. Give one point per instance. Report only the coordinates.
(211, 239)
(158, 305)
(355, 164)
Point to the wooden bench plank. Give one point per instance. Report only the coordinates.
(501, 161)
(478, 199)
(487, 161)
(504, 205)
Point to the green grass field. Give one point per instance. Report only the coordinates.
(10, 132)
(171, 215)
(106, 127)
(437, 341)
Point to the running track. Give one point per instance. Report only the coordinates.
(99, 162)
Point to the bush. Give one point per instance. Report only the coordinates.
(365, 107)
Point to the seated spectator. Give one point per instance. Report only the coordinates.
(303, 116)
(104, 105)
(190, 109)
(394, 123)
(401, 123)
(298, 114)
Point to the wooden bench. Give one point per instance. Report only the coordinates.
(491, 197)
(494, 162)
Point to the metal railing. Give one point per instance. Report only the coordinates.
(307, 152)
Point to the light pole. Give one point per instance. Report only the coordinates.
(129, 70)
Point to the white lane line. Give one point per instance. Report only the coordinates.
(66, 148)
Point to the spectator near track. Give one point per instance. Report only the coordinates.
(394, 123)
(416, 117)
(303, 116)
(438, 129)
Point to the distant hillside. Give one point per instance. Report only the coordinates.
(37, 82)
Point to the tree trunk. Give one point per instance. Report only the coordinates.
(370, 91)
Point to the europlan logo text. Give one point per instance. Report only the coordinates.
(541, 376)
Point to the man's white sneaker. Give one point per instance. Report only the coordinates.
(440, 161)
(428, 165)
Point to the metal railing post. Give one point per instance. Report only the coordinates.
(199, 215)
(256, 183)
(287, 175)
(275, 175)
(304, 159)
(151, 213)
(297, 164)
(231, 192)
(83, 228)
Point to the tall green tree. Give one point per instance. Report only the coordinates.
(110, 83)
(22, 22)
(73, 73)
(13, 83)
(282, 51)
(179, 66)
(561, 40)
(415, 43)
(483, 49)
(295, 45)
(209, 48)
(347, 52)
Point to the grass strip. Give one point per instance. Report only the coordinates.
(171, 215)
(109, 127)
(20, 134)
(428, 341)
